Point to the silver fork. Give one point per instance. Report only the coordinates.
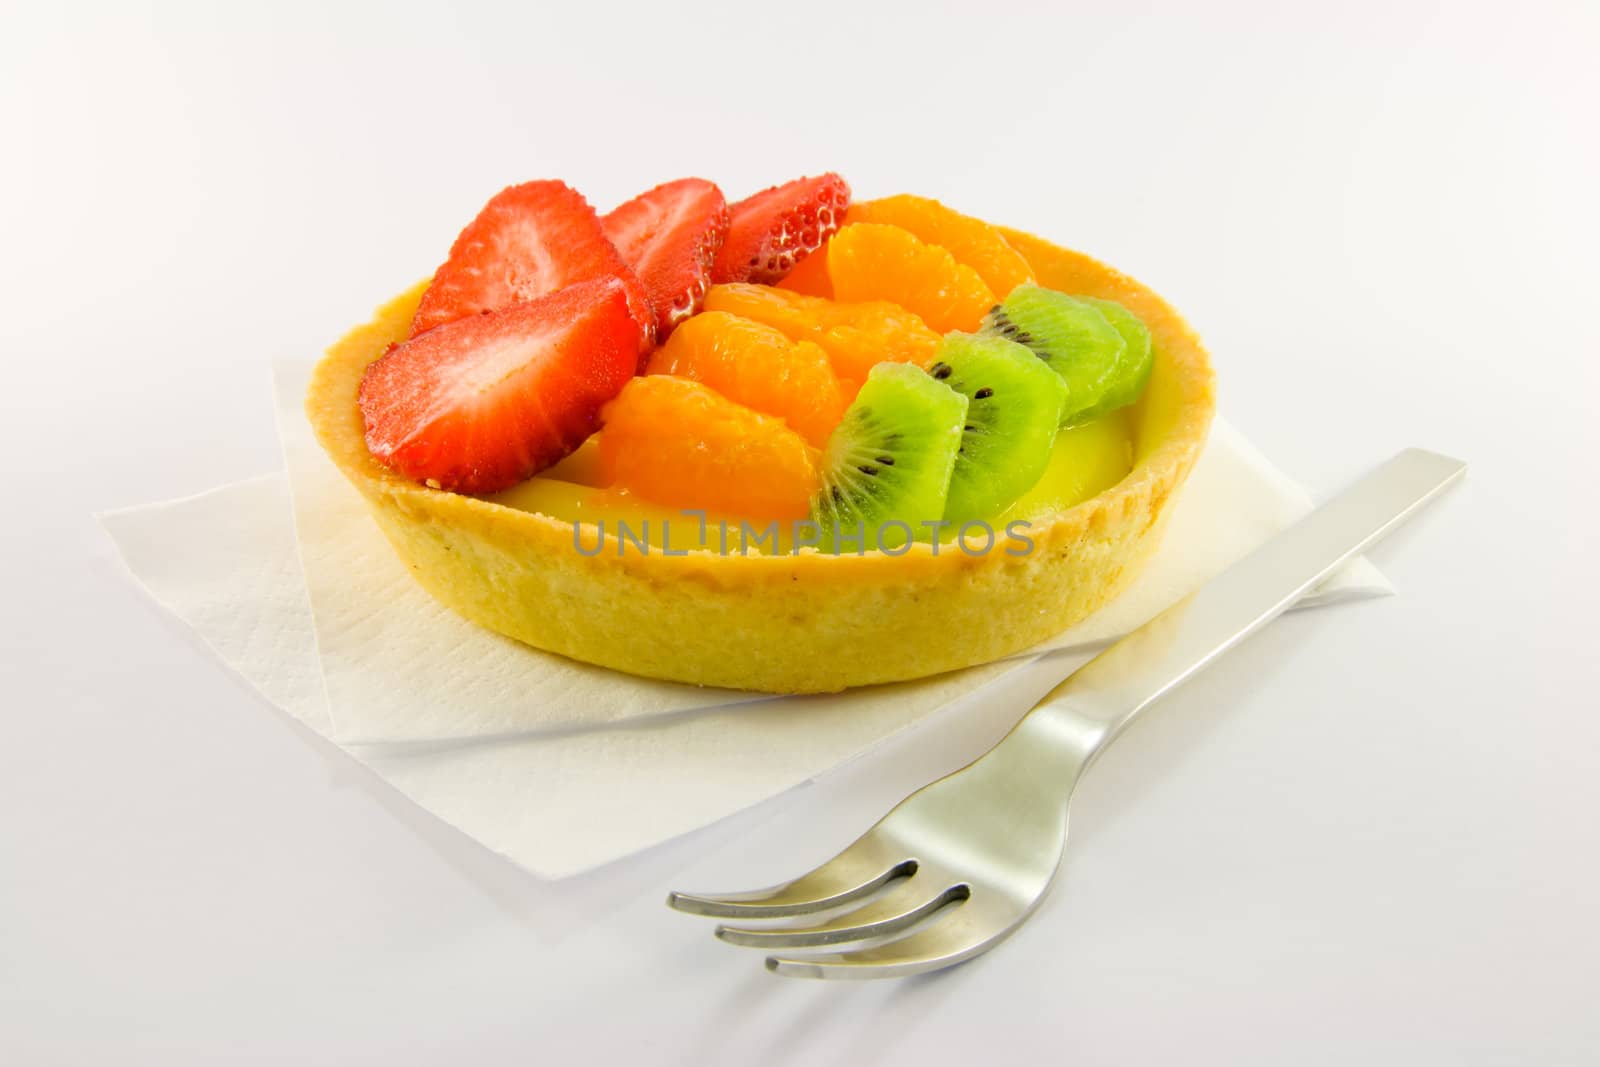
(961, 863)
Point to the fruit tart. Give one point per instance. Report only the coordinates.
(790, 444)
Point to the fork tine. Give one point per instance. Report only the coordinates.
(899, 909)
(852, 875)
(942, 942)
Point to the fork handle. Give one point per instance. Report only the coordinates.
(1098, 701)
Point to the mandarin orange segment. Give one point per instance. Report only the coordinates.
(872, 261)
(680, 444)
(856, 337)
(758, 366)
(971, 241)
(810, 275)
(795, 314)
(880, 333)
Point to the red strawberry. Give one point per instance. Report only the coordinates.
(775, 229)
(530, 240)
(669, 236)
(479, 404)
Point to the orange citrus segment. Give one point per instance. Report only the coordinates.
(857, 337)
(797, 315)
(810, 276)
(677, 443)
(971, 241)
(871, 261)
(758, 366)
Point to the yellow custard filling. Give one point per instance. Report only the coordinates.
(1085, 461)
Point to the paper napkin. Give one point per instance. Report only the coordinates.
(508, 744)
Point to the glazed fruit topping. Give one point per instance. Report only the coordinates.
(1132, 371)
(480, 403)
(776, 229)
(757, 366)
(856, 337)
(528, 241)
(886, 470)
(971, 241)
(1013, 409)
(1076, 338)
(676, 442)
(873, 261)
(669, 237)
(888, 366)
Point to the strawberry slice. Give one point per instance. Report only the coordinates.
(774, 230)
(530, 240)
(669, 236)
(481, 403)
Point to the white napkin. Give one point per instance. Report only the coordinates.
(507, 744)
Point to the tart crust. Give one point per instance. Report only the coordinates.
(785, 623)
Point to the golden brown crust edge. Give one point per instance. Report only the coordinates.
(788, 624)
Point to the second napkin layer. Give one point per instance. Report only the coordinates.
(557, 766)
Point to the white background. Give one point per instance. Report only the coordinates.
(1370, 837)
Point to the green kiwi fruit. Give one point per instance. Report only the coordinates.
(1072, 336)
(1013, 408)
(886, 468)
(1132, 370)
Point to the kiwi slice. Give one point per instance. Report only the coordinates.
(1013, 408)
(1132, 370)
(1071, 335)
(886, 468)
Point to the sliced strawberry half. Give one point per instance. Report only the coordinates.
(527, 242)
(774, 230)
(481, 403)
(670, 236)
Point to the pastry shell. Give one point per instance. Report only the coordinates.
(785, 623)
